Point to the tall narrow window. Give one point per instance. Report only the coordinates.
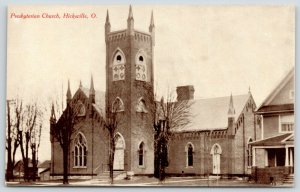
(141, 66)
(80, 151)
(190, 155)
(118, 69)
(141, 154)
(249, 153)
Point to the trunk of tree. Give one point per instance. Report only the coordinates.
(34, 163)
(111, 160)
(26, 172)
(65, 163)
(9, 169)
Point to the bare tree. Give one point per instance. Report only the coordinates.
(167, 117)
(29, 124)
(111, 122)
(11, 142)
(63, 131)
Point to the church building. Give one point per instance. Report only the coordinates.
(215, 143)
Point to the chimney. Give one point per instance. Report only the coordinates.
(185, 92)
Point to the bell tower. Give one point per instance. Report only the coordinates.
(129, 84)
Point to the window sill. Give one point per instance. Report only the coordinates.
(142, 166)
(79, 167)
(189, 167)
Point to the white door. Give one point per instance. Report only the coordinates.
(119, 152)
(216, 164)
(216, 152)
(119, 159)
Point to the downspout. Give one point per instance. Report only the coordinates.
(244, 146)
(92, 142)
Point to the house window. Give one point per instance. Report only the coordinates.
(286, 123)
(190, 155)
(141, 154)
(80, 151)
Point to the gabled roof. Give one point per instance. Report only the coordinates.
(267, 104)
(99, 99)
(45, 164)
(212, 113)
(275, 141)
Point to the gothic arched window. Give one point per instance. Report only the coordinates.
(189, 155)
(141, 154)
(140, 66)
(80, 151)
(117, 105)
(118, 68)
(80, 109)
(141, 106)
(249, 152)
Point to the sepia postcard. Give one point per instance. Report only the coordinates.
(150, 95)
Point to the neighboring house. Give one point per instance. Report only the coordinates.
(18, 170)
(216, 141)
(44, 170)
(273, 154)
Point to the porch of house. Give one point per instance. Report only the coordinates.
(273, 159)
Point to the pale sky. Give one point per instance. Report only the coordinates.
(218, 49)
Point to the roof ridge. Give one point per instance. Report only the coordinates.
(221, 97)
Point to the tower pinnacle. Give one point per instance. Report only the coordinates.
(130, 22)
(130, 15)
(231, 110)
(92, 91)
(107, 17)
(52, 117)
(69, 95)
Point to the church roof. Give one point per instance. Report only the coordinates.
(212, 113)
(99, 99)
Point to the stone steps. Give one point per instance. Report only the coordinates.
(118, 175)
(289, 180)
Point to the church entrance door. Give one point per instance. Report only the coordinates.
(119, 152)
(216, 158)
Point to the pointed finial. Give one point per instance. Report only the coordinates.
(69, 95)
(231, 111)
(249, 90)
(130, 15)
(107, 17)
(152, 19)
(80, 85)
(92, 89)
(53, 112)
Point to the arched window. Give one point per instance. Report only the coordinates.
(249, 152)
(141, 67)
(80, 151)
(141, 106)
(118, 68)
(80, 109)
(118, 105)
(141, 154)
(189, 155)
